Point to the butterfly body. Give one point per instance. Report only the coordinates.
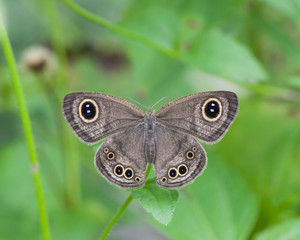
(164, 139)
(150, 149)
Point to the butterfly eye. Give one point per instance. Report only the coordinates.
(119, 169)
(190, 155)
(182, 170)
(212, 109)
(128, 174)
(110, 156)
(88, 110)
(173, 173)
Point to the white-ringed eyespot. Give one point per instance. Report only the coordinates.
(128, 173)
(172, 173)
(182, 170)
(88, 110)
(190, 155)
(106, 150)
(212, 109)
(110, 156)
(118, 170)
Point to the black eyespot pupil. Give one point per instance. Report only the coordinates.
(190, 155)
(173, 173)
(119, 170)
(110, 155)
(137, 179)
(88, 110)
(212, 109)
(182, 170)
(164, 179)
(128, 173)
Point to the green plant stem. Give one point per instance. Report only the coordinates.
(27, 130)
(121, 210)
(116, 217)
(119, 30)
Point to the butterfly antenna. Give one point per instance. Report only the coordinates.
(136, 102)
(158, 102)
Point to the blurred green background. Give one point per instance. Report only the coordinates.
(251, 186)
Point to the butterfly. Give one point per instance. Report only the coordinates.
(137, 138)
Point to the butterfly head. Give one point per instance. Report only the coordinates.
(150, 112)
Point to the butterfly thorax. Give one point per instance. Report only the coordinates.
(149, 122)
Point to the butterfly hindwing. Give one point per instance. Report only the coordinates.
(179, 158)
(121, 158)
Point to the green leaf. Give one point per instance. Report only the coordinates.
(218, 205)
(193, 40)
(288, 230)
(289, 8)
(157, 201)
(220, 54)
(157, 20)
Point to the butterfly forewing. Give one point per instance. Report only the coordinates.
(206, 115)
(93, 116)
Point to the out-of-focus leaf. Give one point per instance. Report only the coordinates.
(280, 37)
(159, 202)
(209, 50)
(218, 205)
(289, 8)
(266, 154)
(293, 81)
(220, 54)
(157, 20)
(288, 230)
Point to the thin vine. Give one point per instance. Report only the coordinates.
(116, 217)
(268, 88)
(119, 30)
(120, 211)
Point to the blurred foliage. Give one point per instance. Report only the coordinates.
(250, 189)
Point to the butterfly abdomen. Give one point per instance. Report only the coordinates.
(150, 150)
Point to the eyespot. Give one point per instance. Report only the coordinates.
(190, 155)
(88, 110)
(164, 179)
(106, 150)
(173, 173)
(128, 174)
(119, 169)
(212, 109)
(110, 156)
(137, 179)
(194, 149)
(182, 170)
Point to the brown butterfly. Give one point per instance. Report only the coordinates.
(164, 139)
